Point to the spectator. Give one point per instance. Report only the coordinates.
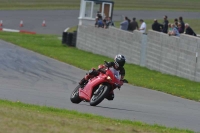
(174, 31)
(176, 23)
(124, 24)
(188, 30)
(180, 28)
(133, 25)
(170, 28)
(96, 22)
(165, 24)
(98, 14)
(157, 26)
(143, 26)
(104, 24)
(99, 22)
(109, 22)
(182, 24)
(129, 21)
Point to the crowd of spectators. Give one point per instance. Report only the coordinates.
(130, 26)
(172, 29)
(103, 23)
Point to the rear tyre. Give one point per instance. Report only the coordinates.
(103, 91)
(75, 95)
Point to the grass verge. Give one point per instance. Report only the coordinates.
(49, 45)
(175, 5)
(17, 117)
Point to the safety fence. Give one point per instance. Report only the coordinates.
(157, 51)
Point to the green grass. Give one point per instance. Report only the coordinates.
(17, 117)
(49, 45)
(194, 23)
(72, 29)
(176, 5)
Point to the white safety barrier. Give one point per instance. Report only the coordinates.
(13, 30)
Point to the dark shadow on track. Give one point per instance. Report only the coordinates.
(112, 108)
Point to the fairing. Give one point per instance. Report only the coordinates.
(86, 92)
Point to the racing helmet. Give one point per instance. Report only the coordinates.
(119, 60)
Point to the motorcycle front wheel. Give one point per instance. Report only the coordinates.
(75, 95)
(99, 95)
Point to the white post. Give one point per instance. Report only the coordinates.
(92, 9)
(110, 10)
(102, 10)
(82, 9)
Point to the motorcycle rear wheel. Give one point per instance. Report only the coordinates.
(98, 98)
(75, 95)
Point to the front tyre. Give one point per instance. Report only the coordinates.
(99, 95)
(75, 95)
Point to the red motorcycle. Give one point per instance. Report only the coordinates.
(98, 87)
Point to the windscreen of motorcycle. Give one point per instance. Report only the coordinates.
(115, 72)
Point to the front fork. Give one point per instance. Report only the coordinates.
(99, 89)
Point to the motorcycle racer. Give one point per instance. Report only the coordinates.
(118, 64)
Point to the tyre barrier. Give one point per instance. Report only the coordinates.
(69, 38)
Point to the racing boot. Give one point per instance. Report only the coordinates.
(89, 75)
(82, 81)
(110, 96)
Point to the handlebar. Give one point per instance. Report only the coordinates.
(101, 70)
(106, 64)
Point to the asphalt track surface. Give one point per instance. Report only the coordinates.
(32, 78)
(58, 20)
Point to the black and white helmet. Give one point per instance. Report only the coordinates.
(119, 60)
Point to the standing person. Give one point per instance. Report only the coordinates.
(180, 29)
(98, 15)
(165, 24)
(133, 25)
(182, 24)
(157, 26)
(104, 24)
(96, 22)
(110, 22)
(100, 22)
(170, 28)
(174, 31)
(189, 30)
(143, 26)
(129, 21)
(176, 22)
(124, 24)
